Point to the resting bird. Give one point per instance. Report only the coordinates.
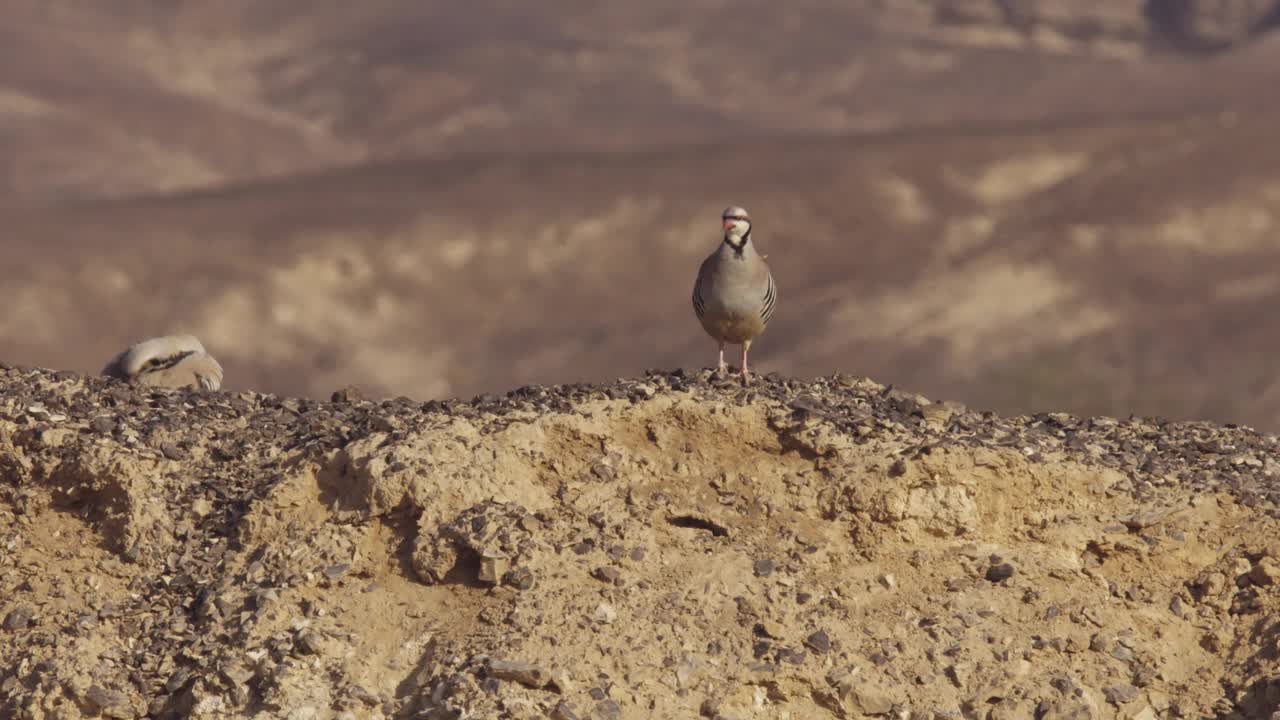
(171, 361)
(734, 293)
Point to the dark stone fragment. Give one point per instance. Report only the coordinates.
(518, 578)
(564, 711)
(607, 710)
(819, 642)
(19, 618)
(1063, 684)
(107, 702)
(1120, 694)
(1000, 573)
(791, 655)
(177, 680)
(608, 574)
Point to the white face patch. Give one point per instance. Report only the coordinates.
(737, 227)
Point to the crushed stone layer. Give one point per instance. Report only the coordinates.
(674, 545)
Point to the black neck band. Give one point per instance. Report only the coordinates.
(738, 247)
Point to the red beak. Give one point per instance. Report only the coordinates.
(728, 225)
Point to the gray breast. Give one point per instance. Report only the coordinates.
(734, 299)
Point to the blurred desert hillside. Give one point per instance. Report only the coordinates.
(1038, 205)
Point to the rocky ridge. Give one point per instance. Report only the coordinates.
(666, 546)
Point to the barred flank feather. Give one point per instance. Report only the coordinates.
(770, 296)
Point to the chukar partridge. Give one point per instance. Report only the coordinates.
(171, 361)
(734, 294)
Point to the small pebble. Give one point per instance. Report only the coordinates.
(1000, 573)
(19, 618)
(818, 642)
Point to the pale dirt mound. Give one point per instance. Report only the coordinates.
(666, 547)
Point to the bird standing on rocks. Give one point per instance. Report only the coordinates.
(171, 361)
(734, 293)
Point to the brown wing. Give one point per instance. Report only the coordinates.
(197, 370)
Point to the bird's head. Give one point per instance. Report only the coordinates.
(159, 352)
(737, 225)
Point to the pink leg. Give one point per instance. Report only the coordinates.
(746, 374)
(722, 366)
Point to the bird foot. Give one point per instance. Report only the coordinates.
(746, 376)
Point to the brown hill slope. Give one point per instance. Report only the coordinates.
(1025, 205)
(1092, 268)
(660, 547)
(107, 100)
